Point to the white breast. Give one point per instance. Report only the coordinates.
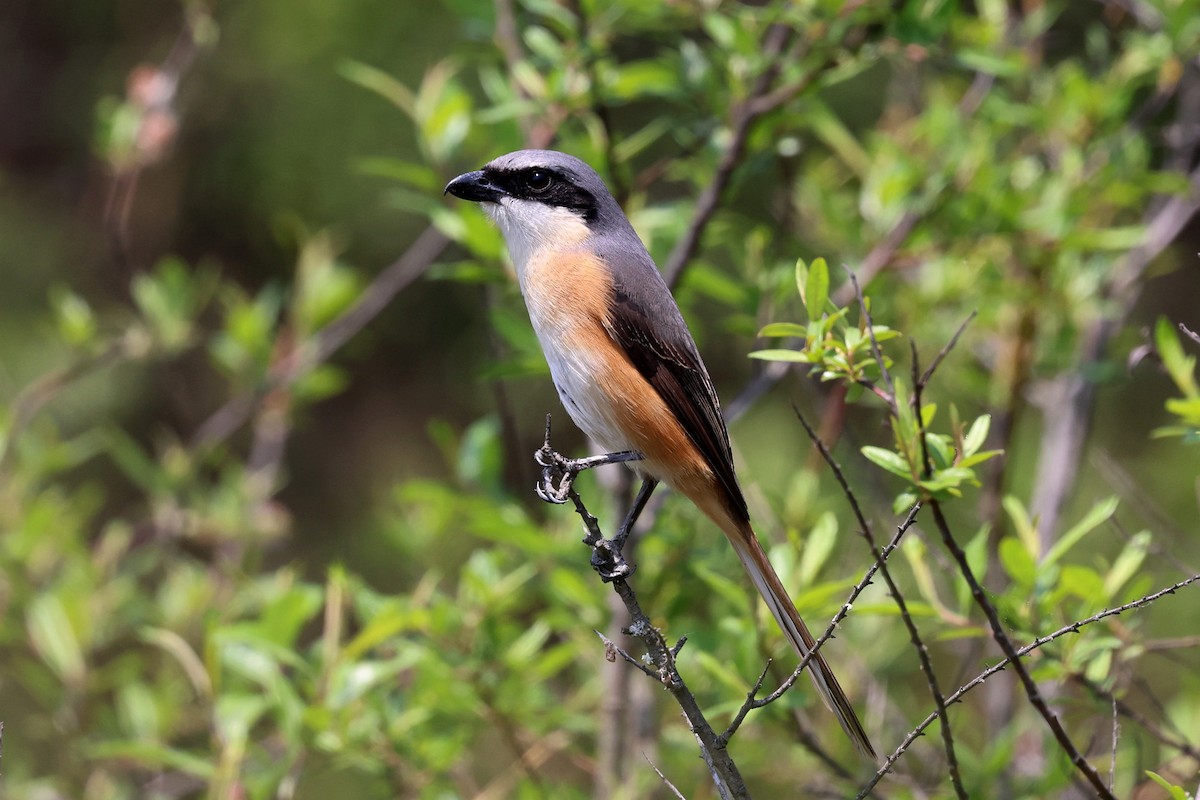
(542, 241)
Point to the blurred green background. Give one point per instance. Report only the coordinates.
(351, 590)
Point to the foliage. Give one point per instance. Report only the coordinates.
(174, 633)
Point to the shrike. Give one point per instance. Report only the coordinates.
(623, 361)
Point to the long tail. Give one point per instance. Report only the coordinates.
(741, 535)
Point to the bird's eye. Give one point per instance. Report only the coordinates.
(538, 180)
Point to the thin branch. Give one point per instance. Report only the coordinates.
(876, 351)
(399, 274)
(945, 351)
(927, 471)
(34, 397)
(979, 679)
(922, 651)
(670, 786)
(1188, 332)
(1006, 646)
(1116, 738)
(752, 702)
(724, 772)
(909, 623)
(1151, 727)
(774, 42)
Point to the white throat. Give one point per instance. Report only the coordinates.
(530, 227)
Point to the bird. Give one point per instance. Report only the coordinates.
(623, 361)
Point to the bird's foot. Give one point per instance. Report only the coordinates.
(608, 560)
(558, 475)
(559, 472)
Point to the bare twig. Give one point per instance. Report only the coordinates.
(1188, 332)
(927, 471)
(1170, 740)
(1006, 646)
(774, 42)
(979, 679)
(399, 274)
(1116, 738)
(876, 351)
(724, 772)
(152, 92)
(752, 701)
(670, 786)
(34, 397)
(950, 345)
(865, 530)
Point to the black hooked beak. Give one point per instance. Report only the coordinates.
(474, 186)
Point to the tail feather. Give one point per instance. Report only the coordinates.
(777, 599)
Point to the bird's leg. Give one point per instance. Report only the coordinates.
(607, 556)
(559, 472)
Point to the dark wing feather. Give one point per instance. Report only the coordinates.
(646, 323)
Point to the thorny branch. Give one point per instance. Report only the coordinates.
(1006, 646)
(752, 701)
(958, 694)
(922, 651)
(1150, 726)
(724, 771)
(909, 623)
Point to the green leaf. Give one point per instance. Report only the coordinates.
(733, 592)
(941, 451)
(1082, 582)
(1176, 792)
(1127, 563)
(184, 654)
(990, 63)
(977, 435)
(54, 637)
(979, 458)
(889, 460)
(784, 329)
(906, 421)
(525, 648)
(353, 680)
(1092, 520)
(1022, 524)
(829, 129)
(1179, 366)
(782, 355)
(236, 714)
(381, 83)
(417, 176)
(153, 756)
(977, 558)
(904, 502)
(817, 547)
(76, 322)
(816, 289)
(1017, 561)
(641, 79)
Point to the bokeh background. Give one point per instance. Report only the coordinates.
(229, 571)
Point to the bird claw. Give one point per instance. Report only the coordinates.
(558, 475)
(608, 561)
(551, 490)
